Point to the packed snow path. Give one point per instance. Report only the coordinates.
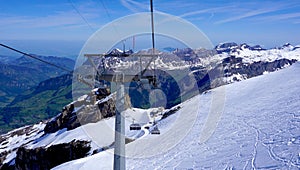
(259, 129)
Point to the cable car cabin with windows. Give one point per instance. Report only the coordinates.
(135, 126)
(155, 131)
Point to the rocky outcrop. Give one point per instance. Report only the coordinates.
(88, 109)
(234, 65)
(226, 47)
(232, 47)
(170, 112)
(233, 68)
(2, 159)
(46, 158)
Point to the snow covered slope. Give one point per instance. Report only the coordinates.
(259, 129)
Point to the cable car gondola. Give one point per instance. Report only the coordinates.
(155, 131)
(135, 126)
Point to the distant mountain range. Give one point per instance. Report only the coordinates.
(6, 59)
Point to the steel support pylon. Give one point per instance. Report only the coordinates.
(119, 152)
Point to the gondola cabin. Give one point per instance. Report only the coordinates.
(155, 131)
(135, 126)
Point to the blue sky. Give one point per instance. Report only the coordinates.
(60, 27)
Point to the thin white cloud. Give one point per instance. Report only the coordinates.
(197, 19)
(134, 6)
(59, 19)
(210, 10)
(248, 9)
(55, 20)
(281, 17)
(195, 12)
(175, 4)
(247, 15)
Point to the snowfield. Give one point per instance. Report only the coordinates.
(259, 129)
(248, 55)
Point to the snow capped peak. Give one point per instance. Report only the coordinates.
(287, 47)
(244, 46)
(226, 47)
(253, 48)
(233, 47)
(117, 51)
(257, 48)
(256, 53)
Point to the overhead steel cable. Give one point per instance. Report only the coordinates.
(36, 58)
(113, 23)
(152, 25)
(83, 18)
(152, 37)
